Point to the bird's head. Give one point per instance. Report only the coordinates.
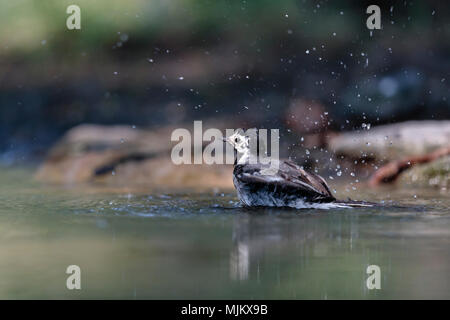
(239, 141)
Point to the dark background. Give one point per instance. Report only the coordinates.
(153, 63)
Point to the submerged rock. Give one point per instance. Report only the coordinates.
(434, 174)
(394, 141)
(121, 155)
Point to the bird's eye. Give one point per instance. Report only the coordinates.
(236, 139)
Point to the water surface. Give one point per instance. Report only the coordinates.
(137, 244)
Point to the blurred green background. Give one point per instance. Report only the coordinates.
(147, 63)
(109, 199)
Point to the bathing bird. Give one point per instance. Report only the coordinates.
(288, 186)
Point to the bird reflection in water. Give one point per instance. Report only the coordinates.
(268, 234)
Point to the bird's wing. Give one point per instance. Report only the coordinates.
(290, 176)
(313, 179)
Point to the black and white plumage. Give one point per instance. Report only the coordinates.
(289, 186)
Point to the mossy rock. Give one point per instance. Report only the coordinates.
(433, 174)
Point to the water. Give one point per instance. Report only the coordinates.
(137, 244)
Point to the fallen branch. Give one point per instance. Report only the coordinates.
(390, 172)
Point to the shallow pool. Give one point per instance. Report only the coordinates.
(137, 244)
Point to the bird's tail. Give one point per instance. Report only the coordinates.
(355, 204)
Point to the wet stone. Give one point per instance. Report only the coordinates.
(433, 174)
(392, 142)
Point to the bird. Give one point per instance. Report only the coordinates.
(290, 186)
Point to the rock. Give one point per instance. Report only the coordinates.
(392, 142)
(392, 170)
(119, 138)
(435, 174)
(121, 155)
